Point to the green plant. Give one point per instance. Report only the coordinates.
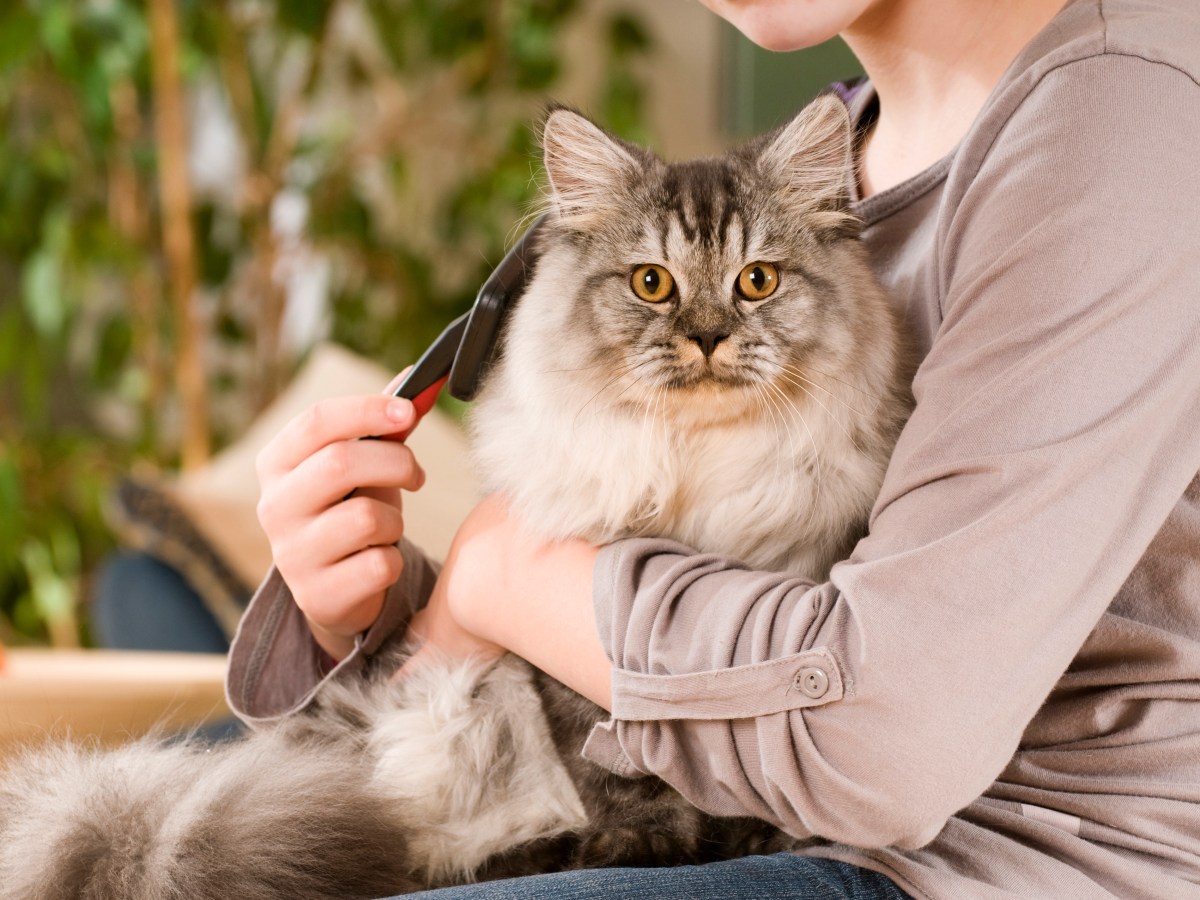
(144, 302)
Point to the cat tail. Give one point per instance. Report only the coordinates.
(256, 819)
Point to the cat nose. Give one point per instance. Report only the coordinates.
(708, 340)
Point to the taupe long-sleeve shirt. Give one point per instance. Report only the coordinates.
(998, 694)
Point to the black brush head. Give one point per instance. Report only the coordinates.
(468, 345)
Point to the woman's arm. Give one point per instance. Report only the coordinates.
(344, 581)
(501, 588)
(1057, 424)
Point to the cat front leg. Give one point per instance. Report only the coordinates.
(466, 757)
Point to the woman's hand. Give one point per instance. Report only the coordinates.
(338, 553)
(450, 625)
(503, 589)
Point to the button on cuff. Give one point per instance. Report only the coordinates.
(811, 678)
(812, 682)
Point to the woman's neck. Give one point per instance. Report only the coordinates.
(933, 64)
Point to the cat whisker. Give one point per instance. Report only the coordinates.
(646, 435)
(791, 370)
(564, 371)
(784, 406)
(876, 397)
(778, 420)
(570, 386)
(817, 400)
(550, 391)
(660, 396)
(626, 370)
(632, 383)
(525, 222)
(812, 439)
(645, 443)
(602, 389)
(778, 423)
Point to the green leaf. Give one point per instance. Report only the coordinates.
(112, 351)
(627, 36)
(455, 27)
(392, 25)
(11, 502)
(305, 16)
(53, 595)
(41, 284)
(11, 328)
(621, 106)
(18, 38)
(56, 32)
(25, 615)
(64, 549)
(95, 82)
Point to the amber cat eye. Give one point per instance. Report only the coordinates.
(652, 283)
(758, 281)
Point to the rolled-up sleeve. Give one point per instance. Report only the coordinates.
(1057, 423)
(275, 665)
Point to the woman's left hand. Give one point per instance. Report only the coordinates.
(439, 626)
(502, 589)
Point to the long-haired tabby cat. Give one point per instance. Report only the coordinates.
(701, 354)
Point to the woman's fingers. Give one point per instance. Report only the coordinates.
(330, 506)
(345, 598)
(349, 527)
(330, 422)
(422, 403)
(320, 482)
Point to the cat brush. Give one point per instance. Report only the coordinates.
(461, 354)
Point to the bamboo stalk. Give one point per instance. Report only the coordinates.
(170, 128)
(130, 215)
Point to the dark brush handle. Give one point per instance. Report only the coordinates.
(435, 362)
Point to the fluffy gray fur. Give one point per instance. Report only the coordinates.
(757, 429)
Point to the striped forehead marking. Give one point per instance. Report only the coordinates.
(702, 197)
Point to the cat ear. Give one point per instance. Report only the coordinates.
(813, 158)
(586, 166)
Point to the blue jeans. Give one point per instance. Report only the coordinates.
(141, 603)
(781, 876)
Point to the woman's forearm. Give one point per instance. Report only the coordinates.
(531, 597)
(549, 589)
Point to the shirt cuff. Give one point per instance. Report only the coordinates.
(275, 665)
(796, 681)
(649, 592)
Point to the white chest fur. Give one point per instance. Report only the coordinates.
(777, 490)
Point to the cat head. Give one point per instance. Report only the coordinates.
(701, 281)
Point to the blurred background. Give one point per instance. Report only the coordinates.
(195, 194)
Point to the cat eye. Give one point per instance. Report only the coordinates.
(652, 283)
(758, 281)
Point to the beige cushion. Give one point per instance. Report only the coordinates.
(107, 695)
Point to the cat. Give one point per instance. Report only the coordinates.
(661, 414)
(703, 354)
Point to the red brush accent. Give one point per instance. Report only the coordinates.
(423, 403)
(428, 397)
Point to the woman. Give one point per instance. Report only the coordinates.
(1019, 634)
